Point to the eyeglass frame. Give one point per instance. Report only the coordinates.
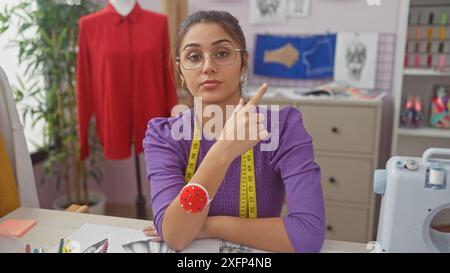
(203, 61)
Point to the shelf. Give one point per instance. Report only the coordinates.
(423, 72)
(428, 25)
(425, 132)
(425, 39)
(421, 5)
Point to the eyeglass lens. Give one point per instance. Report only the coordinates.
(221, 55)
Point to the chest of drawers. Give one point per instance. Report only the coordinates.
(346, 136)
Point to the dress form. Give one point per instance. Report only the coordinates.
(123, 7)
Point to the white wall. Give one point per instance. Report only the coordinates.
(10, 63)
(325, 15)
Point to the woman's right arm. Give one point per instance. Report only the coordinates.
(165, 170)
(179, 228)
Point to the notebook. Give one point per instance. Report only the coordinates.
(17, 227)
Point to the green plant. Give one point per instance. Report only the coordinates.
(51, 54)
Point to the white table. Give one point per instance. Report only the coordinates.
(52, 225)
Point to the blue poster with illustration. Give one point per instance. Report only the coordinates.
(308, 57)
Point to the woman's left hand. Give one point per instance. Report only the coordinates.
(150, 231)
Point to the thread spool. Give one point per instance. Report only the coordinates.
(437, 175)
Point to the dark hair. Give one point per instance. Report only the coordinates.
(227, 21)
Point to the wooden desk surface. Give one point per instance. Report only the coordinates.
(52, 225)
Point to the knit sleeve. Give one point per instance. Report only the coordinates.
(165, 167)
(294, 161)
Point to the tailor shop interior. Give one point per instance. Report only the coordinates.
(80, 82)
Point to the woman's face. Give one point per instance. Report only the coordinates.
(213, 82)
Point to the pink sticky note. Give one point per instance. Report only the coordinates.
(17, 227)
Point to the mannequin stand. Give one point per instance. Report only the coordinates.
(140, 200)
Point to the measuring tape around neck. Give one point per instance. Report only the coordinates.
(247, 193)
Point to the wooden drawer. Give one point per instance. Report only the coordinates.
(346, 224)
(346, 179)
(339, 128)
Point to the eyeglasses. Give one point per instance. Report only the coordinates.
(222, 55)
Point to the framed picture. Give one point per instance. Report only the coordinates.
(268, 11)
(295, 57)
(356, 59)
(299, 8)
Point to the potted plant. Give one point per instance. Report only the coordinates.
(51, 54)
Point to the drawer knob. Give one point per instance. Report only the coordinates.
(329, 228)
(332, 180)
(335, 130)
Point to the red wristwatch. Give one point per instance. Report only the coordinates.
(194, 198)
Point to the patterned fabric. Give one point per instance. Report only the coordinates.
(309, 57)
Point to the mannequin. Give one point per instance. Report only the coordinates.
(123, 7)
(113, 65)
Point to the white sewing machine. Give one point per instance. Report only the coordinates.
(415, 204)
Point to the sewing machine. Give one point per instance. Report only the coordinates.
(415, 204)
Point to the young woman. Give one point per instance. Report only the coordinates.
(211, 58)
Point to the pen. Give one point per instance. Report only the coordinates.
(67, 247)
(61, 244)
(104, 247)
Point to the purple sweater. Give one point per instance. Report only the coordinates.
(288, 171)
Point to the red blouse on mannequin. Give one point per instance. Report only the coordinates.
(124, 77)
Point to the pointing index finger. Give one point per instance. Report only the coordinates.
(257, 98)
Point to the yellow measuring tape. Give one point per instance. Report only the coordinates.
(247, 194)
